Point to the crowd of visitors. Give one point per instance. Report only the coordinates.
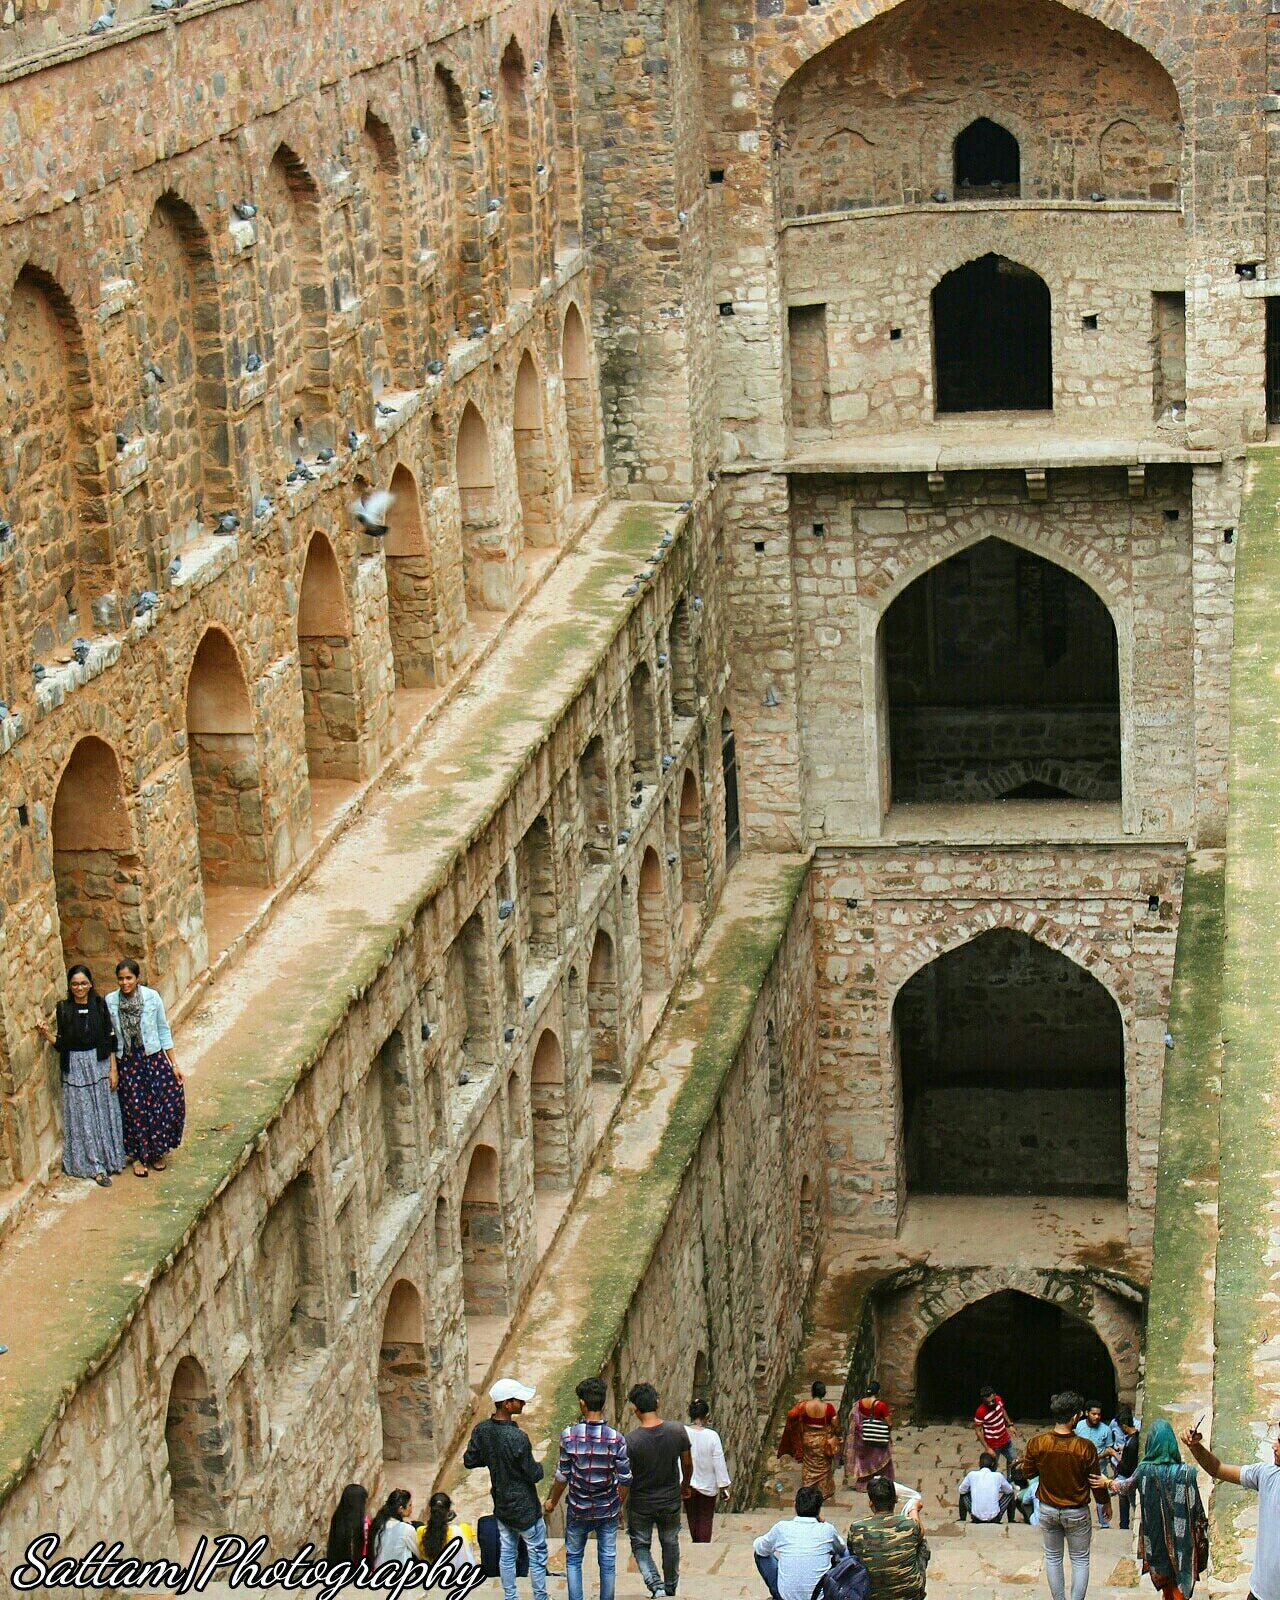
(122, 1094)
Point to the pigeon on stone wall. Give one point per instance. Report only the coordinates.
(153, 371)
(326, 455)
(370, 511)
(6, 531)
(253, 362)
(145, 602)
(353, 439)
(262, 506)
(486, 94)
(244, 210)
(227, 522)
(435, 367)
(384, 410)
(175, 567)
(100, 24)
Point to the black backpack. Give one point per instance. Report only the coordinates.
(846, 1579)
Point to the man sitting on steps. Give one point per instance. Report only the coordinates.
(985, 1494)
(891, 1544)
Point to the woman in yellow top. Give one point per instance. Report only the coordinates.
(441, 1529)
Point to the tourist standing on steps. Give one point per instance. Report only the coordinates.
(1124, 1435)
(868, 1450)
(710, 1481)
(891, 1544)
(92, 1133)
(809, 1437)
(1098, 1433)
(499, 1444)
(153, 1105)
(1173, 1519)
(1065, 1464)
(1264, 1479)
(985, 1494)
(596, 1470)
(795, 1552)
(661, 1470)
(993, 1427)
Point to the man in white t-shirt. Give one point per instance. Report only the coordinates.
(1264, 1480)
(985, 1494)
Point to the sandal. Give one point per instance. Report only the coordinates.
(139, 1171)
(101, 1179)
(158, 1166)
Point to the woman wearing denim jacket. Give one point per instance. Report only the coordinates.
(153, 1105)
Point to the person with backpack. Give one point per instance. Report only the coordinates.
(799, 1553)
(891, 1545)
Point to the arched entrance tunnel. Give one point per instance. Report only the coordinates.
(1026, 1348)
(1013, 1074)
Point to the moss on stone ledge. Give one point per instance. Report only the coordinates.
(622, 1226)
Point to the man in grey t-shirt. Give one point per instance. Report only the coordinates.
(661, 1472)
(1264, 1580)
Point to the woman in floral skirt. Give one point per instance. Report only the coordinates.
(153, 1105)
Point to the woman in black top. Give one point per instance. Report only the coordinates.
(92, 1136)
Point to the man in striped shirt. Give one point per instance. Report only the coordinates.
(991, 1424)
(596, 1470)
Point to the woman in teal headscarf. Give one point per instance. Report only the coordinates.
(1172, 1513)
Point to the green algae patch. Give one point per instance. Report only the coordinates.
(1180, 1318)
(622, 1228)
(1246, 1286)
(251, 1073)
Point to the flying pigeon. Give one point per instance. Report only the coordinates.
(370, 511)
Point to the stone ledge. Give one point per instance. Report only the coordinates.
(997, 449)
(949, 208)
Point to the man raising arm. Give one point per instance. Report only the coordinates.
(1264, 1479)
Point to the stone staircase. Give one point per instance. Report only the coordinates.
(969, 1563)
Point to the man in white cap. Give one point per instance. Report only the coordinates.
(502, 1446)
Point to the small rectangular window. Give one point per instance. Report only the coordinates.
(810, 373)
(1273, 360)
(1169, 351)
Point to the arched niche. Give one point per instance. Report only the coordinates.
(579, 399)
(602, 1009)
(96, 869)
(223, 757)
(551, 1150)
(291, 228)
(533, 467)
(384, 246)
(329, 704)
(522, 242)
(410, 585)
(565, 186)
(986, 161)
(484, 1258)
(655, 955)
(404, 1381)
(992, 338)
(198, 1453)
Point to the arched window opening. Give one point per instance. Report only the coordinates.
(684, 689)
(184, 417)
(537, 889)
(460, 193)
(1012, 1062)
(382, 234)
(410, 586)
(299, 304)
(97, 874)
(1002, 682)
(564, 156)
(483, 556)
(329, 705)
(602, 1010)
(49, 491)
(808, 1222)
(484, 1255)
(1036, 1347)
(774, 1069)
(404, 1382)
(729, 771)
(992, 340)
(551, 1156)
(644, 735)
(387, 1135)
(693, 867)
(515, 1106)
(521, 229)
(579, 400)
(199, 1456)
(444, 1233)
(987, 162)
(533, 475)
(593, 803)
(289, 1275)
(655, 970)
(471, 974)
(222, 754)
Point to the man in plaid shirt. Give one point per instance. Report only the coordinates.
(595, 1469)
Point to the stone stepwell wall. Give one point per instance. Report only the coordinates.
(341, 1234)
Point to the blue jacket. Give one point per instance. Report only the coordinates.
(155, 1025)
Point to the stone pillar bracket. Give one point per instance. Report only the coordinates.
(937, 484)
(1137, 482)
(1037, 483)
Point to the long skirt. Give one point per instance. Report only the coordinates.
(152, 1105)
(816, 1466)
(700, 1509)
(92, 1136)
(862, 1461)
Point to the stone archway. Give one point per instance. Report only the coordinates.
(404, 1387)
(225, 777)
(410, 586)
(551, 1153)
(198, 1459)
(97, 872)
(484, 1254)
(328, 677)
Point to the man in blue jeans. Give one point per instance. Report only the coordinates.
(661, 1476)
(597, 1472)
(1065, 1462)
(499, 1444)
